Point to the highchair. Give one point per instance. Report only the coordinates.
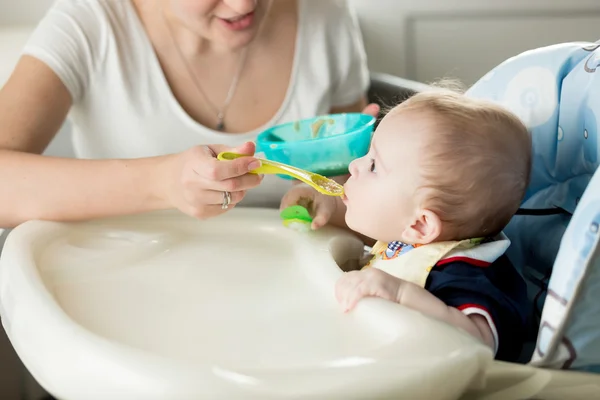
(162, 306)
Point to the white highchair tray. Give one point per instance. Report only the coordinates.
(163, 306)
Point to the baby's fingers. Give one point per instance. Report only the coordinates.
(348, 289)
(325, 207)
(294, 196)
(321, 219)
(354, 295)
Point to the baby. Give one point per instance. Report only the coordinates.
(444, 175)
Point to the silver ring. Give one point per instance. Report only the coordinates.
(226, 200)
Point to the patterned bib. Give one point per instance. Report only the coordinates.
(414, 262)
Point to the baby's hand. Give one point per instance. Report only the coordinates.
(320, 207)
(370, 282)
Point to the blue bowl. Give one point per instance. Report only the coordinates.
(325, 145)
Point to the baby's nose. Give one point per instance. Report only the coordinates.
(353, 167)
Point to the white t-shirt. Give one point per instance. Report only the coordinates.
(123, 106)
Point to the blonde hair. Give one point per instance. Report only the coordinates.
(476, 166)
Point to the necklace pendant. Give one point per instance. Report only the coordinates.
(220, 123)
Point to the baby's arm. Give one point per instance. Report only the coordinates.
(417, 298)
(374, 282)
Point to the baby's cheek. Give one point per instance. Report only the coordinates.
(361, 214)
(384, 209)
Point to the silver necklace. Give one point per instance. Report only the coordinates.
(232, 88)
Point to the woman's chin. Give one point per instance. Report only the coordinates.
(234, 40)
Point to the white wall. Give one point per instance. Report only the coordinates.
(17, 12)
(428, 39)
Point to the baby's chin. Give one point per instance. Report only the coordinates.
(355, 223)
(348, 217)
(368, 229)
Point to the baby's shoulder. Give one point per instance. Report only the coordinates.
(499, 277)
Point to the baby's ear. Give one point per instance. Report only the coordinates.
(426, 228)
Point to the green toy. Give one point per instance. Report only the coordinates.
(297, 218)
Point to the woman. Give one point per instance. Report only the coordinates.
(149, 85)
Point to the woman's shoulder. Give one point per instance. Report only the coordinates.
(89, 25)
(75, 8)
(332, 13)
(93, 14)
(75, 38)
(335, 21)
(329, 8)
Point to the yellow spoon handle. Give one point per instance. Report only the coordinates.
(268, 166)
(320, 183)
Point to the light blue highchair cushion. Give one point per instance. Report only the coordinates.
(555, 90)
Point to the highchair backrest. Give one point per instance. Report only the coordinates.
(555, 90)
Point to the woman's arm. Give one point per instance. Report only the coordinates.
(33, 106)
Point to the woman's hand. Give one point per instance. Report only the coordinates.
(320, 207)
(360, 106)
(198, 184)
(372, 109)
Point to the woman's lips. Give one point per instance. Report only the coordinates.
(239, 23)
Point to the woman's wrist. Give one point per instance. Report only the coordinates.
(155, 178)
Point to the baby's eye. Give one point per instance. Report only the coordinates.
(372, 167)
